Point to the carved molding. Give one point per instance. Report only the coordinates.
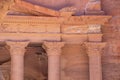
(53, 20)
(29, 28)
(84, 29)
(53, 48)
(17, 47)
(94, 49)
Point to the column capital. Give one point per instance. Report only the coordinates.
(53, 48)
(17, 47)
(94, 48)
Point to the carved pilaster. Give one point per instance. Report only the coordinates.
(53, 48)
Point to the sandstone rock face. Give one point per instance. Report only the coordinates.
(74, 63)
(111, 58)
(59, 4)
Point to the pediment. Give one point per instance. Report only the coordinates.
(20, 7)
(31, 9)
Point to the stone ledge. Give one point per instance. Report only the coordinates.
(88, 19)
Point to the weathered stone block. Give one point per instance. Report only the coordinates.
(53, 28)
(75, 29)
(95, 37)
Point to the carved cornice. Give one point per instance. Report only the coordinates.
(94, 49)
(17, 47)
(53, 48)
(58, 20)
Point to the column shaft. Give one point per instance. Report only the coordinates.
(95, 68)
(17, 67)
(54, 68)
(17, 51)
(53, 50)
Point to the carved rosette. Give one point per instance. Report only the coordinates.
(53, 48)
(17, 47)
(94, 49)
(94, 28)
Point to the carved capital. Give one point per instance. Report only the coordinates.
(94, 49)
(17, 47)
(53, 48)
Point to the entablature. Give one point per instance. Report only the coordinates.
(68, 29)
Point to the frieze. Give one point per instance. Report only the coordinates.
(75, 29)
(83, 29)
(52, 28)
(29, 28)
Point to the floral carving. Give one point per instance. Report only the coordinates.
(17, 47)
(94, 48)
(53, 48)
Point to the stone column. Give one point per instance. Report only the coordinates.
(17, 51)
(53, 50)
(94, 51)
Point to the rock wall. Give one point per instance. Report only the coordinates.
(74, 63)
(111, 31)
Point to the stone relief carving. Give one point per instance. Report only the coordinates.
(94, 49)
(53, 48)
(94, 28)
(23, 28)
